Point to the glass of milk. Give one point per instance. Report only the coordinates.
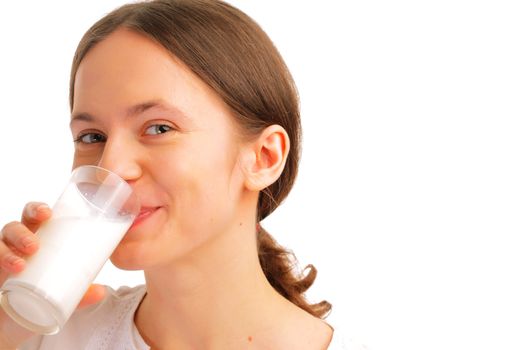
(89, 219)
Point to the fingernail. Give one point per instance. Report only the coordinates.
(13, 260)
(33, 212)
(27, 242)
(41, 208)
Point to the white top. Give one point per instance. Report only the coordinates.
(109, 325)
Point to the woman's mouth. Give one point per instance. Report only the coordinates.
(143, 215)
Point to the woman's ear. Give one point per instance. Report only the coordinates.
(265, 158)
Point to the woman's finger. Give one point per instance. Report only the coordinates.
(19, 239)
(94, 294)
(34, 214)
(10, 262)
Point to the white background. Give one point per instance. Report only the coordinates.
(411, 195)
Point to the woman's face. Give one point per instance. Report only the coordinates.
(142, 114)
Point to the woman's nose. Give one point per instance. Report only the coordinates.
(121, 157)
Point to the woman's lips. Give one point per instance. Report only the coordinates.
(143, 215)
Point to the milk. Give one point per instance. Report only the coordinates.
(72, 252)
(89, 219)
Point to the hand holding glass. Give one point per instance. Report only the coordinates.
(89, 220)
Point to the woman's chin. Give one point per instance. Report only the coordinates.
(125, 258)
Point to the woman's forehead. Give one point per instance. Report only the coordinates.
(128, 69)
(125, 58)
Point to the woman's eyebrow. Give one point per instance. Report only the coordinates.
(81, 117)
(134, 110)
(155, 105)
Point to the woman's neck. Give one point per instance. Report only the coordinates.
(217, 295)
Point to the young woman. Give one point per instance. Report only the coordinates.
(190, 103)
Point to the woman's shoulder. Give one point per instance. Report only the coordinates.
(342, 338)
(94, 323)
(123, 293)
(341, 341)
(114, 305)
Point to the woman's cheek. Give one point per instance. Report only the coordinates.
(85, 158)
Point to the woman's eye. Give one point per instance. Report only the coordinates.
(158, 129)
(90, 138)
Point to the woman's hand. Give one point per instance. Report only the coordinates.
(18, 242)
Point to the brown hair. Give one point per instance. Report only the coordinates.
(234, 56)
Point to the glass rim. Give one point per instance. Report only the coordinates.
(121, 182)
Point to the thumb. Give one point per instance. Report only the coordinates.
(94, 294)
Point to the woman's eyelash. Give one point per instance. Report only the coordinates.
(160, 128)
(96, 137)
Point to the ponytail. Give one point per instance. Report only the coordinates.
(279, 265)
